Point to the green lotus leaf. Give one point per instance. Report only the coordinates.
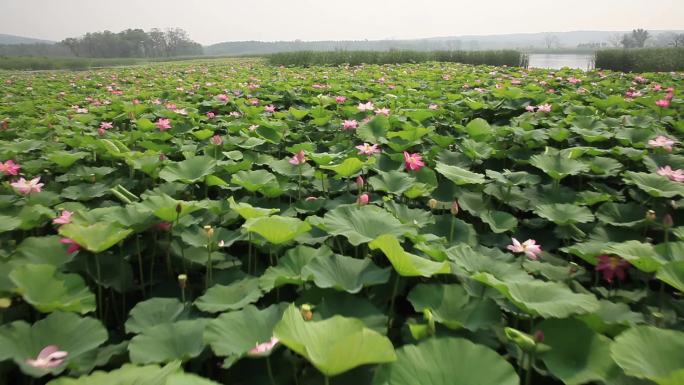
(558, 167)
(407, 264)
(153, 312)
(277, 229)
(230, 297)
(621, 214)
(450, 305)
(188, 379)
(65, 159)
(248, 211)
(75, 335)
(605, 166)
(395, 182)
(289, 270)
(651, 353)
(348, 167)
(97, 237)
(8, 223)
(166, 342)
(673, 274)
(345, 273)
(126, 375)
(564, 214)
(360, 224)
(44, 250)
(578, 355)
(48, 290)
(458, 175)
(188, 171)
(654, 184)
(131, 216)
(611, 317)
(334, 345)
(499, 221)
(545, 299)
(351, 306)
(447, 361)
(479, 129)
(165, 208)
(235, 333)
(641, 255)
(260, 181)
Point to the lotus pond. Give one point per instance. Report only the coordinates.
(230, 222)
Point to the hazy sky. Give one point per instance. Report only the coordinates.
(212, 21)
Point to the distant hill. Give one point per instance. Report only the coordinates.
(523, 41)
(13, 39)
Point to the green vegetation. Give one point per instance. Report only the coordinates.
(228, 222)
(309, 58)
(641, 59)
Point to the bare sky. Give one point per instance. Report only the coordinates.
(212, 21)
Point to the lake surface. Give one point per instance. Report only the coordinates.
(558, 61)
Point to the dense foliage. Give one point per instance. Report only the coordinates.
(134, 43)
(641, 60)
(434, 224)
(309, 58)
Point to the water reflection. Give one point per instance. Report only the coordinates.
(557, 61)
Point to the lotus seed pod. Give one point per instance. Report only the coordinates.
(307, 312)
(432, 204)
(454, 208)
(650, 215)
(182, 281)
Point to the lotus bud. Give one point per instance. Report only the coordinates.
(650, 215)
(359, 182)
(524, 341)
(667, 221)
(427, 314)
(182, 281)
(307, 312)
(539, 336)
(454, 208)
(209, 231)
(363, 199)
(179, 208)
(432, 204)
(162, 157)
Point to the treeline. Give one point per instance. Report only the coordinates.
(131, 43)
(641, 60)
(134, 43)
(309, 58)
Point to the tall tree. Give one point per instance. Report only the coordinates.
(639, 36)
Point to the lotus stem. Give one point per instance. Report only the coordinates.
(327, 380)
(98, 270)
(140, 265)
(390, 319)
(451, 229)
(270, 370)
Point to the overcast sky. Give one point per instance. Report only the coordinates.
(212, 21)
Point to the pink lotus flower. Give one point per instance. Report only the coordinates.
(64, 218)
(216, 140)
(529, 247)
(363, 199)
(73, 246)
(26, 187)
(106, 125)
(663, 142)
(9, 168)
(340, 99)
(359, 182)
(350, 124)
(413, 162)
(530, 108)
(365, 106)
(222, 97)
(211, 115)
(433, 106)
(368, 149)
(640, 79)
(382, 111)
(611, 267)
(270, 108)
(163, 226)
(298, 159)
(544, 108)
(663, 103)
(674, 175)
(163, 124)
(48, 358)
(264, 348)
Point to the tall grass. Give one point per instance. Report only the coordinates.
(309, 58)
(36, 63)
(641, 59)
